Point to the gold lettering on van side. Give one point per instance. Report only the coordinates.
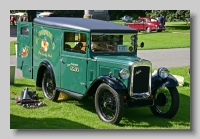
(73, 67)
(44, 54)
(49, 55)
(46, 33)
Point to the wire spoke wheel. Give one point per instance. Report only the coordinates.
(109, 104)
(166, 102)
(48, 87)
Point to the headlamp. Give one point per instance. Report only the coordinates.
(163, 72)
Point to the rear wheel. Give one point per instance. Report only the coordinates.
(109, 104)
(48, 87)
(148, 30)
(166, 102)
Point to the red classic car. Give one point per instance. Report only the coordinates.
(146, 24)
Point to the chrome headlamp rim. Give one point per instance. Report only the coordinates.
(163, 72)
(124, 73)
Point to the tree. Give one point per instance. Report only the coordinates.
(170, 15)
(31, 15)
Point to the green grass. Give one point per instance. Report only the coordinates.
(164, 40)
(74, 114)
(12, 48)
(177, 27)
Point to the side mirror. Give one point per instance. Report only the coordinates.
(142, 44)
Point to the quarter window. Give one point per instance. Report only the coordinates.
(24, 31)
(75, 42)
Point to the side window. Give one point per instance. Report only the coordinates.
(24, 31)
(75, 42)
(142, 20)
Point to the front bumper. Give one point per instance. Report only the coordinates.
(158, 28)
(130, 103)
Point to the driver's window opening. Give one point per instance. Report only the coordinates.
(113, 43)
(75, 42)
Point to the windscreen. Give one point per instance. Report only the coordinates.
(113, 43)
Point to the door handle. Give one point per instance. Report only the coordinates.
(61, 60)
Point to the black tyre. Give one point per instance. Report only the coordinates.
(109, 104)
(48, 87)
(166, 102)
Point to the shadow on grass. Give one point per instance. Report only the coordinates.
(136, 116)
(86, 103)
(181, 27)
(186, 84)
(17, 122)
(133, 117)
(22, 85)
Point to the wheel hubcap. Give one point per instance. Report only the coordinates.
(49, 86)
(107, 105)
(161, 99)
(104, 104)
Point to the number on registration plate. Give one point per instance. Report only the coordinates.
(122, 48)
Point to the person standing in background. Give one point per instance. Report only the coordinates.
(13, 20)
(160, 19)
(163, 20)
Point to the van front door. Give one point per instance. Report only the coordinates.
(24, 48)
(74, 62)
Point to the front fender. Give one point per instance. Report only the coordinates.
(111, 81)
(158, 82)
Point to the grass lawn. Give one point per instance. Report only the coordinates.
(74, 114)
(164, 40)
(12, 48)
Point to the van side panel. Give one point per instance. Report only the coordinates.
(46, 46)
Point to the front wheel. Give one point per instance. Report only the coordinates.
(48, 87)
(166, 102)
(109, 104)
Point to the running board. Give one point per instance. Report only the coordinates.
(70, 93)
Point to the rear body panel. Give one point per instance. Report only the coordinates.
(25, 48)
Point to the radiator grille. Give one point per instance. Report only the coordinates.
(141, 79)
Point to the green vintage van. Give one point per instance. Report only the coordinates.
(88, 57)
